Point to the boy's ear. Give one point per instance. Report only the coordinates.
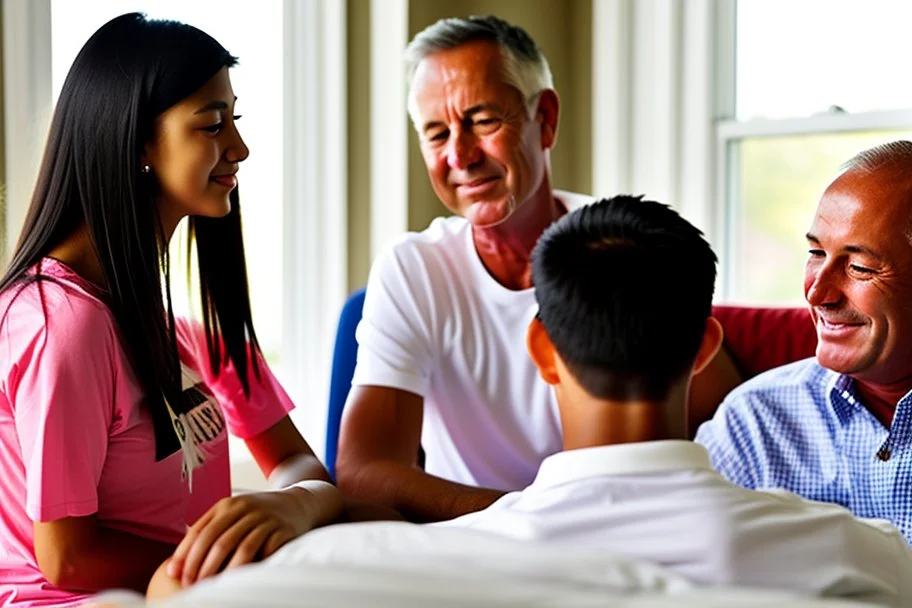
(712, 342)
(542, 351)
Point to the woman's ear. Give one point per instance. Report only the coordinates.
(542, 351)
(712, 341)
(145, 160)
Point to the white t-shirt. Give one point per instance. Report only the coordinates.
(438, 325)
(662, 502)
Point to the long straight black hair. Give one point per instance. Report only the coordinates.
(129, 72)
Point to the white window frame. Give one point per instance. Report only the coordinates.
(730, 132)
(659, 78)
(26, 105)
(315, 206)
(389, 123)
(315, 151)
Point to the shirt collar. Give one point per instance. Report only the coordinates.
(841, 390)
(843, 396)
(622, 459)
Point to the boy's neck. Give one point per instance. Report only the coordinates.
(592, 422)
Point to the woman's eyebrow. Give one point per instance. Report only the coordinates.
(213, 105)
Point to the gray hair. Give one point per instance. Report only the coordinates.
(895, 156)
(526, 68)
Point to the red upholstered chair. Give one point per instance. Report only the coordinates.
(763, 338)
(756, 339)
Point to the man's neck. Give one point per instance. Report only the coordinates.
(506, 249)
(599, 422)
(883, 397)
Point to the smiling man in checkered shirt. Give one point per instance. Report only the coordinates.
(838, 427)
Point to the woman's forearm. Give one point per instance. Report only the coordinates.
(320, 500)
(86, 556)
(297, 468)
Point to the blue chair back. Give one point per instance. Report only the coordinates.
(345, 354)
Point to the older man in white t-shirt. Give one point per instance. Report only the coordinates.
(440, 359)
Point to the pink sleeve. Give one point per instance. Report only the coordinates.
(62, 391)
(249, 416)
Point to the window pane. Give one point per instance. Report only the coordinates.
(780, 180)
(252, 31)
(796, 58)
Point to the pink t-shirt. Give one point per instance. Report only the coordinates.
(75, 440)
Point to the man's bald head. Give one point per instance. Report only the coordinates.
(890, 164)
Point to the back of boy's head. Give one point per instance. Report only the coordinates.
(624, 288)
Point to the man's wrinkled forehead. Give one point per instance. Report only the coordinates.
(475, 69)
(474, 53)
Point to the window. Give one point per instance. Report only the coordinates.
(815, 82)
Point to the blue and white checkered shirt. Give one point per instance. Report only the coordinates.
(802, 428)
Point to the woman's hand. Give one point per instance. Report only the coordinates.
(241, 529)
(162, 585)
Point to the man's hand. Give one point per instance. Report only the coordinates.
(241, 529)
(377, 463)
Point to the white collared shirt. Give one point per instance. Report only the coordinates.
(662, 502)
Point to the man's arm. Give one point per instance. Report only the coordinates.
(734, 441)
(378, 446)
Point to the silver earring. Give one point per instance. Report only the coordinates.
(146, 169)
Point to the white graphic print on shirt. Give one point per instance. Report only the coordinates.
(200, 426)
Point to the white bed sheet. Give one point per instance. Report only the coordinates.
(403, 565)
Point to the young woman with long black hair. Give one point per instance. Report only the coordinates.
(113, 413)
